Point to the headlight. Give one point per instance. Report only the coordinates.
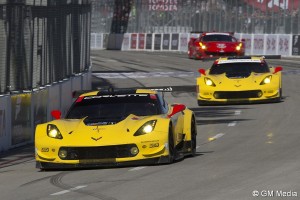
(148, 127)
(238, 48)
(266, 80)
(202, 45)
(53, 132)
(209, 82)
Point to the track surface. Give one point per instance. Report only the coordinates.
(244, 151)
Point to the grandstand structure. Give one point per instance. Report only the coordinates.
(171, 16)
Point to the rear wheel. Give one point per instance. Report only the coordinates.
(193, 137)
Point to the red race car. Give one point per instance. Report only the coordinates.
(215, 44)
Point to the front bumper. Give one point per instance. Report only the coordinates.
(238, 97)
(101, 164)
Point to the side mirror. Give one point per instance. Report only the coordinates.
(176, 109)
(202, 71)
(56, 114)
(277, 69)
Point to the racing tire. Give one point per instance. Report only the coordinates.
(193, 137)
(171, 145)
(279, 99)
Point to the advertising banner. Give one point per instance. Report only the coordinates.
(175, 41)
(126, 41)
(162, 5)
(271, 41)
(274, 5)
(258, 44)
(183, 42)
(141, 41)
(157, 41)
(21, 118)
(284, 45)
(133, 41)
(149, 41)
(248, 43)
(296, 45)
(166, 41)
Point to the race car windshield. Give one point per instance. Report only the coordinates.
(239, 69)
(223, 38)
(113, 108)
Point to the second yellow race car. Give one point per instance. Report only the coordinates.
(239, 80)
(116, 127)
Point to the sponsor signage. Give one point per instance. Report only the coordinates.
(163, 5)
(276, 5)
(133, 41)
(149, 41)
(141, 41)
(157, 41)
(296, 45)
(174, 41)
(166, 41)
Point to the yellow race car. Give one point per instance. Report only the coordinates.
(239, 80)
(116, 127)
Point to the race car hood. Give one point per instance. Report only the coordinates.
(249, 82)
(78, 132)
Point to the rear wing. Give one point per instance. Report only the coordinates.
(244, 57)
(112, 91)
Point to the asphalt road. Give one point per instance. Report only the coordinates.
(244, 151)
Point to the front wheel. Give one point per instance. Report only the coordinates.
(171, 146)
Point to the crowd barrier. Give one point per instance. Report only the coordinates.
(20, 112)
(258, 44)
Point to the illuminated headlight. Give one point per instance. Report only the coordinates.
(134, 151)
(62, 153)
(239, 47)
(53, 132)
(148, 127)
(202, 45)
(266, 80)
(209, 82)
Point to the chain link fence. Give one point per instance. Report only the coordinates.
(174, 16)
(42, 41)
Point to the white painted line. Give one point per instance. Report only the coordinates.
(71, 189)
(232, 123)
(219, 135)
(137, 168)
(237, 112)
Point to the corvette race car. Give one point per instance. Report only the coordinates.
(215, 44)
(116, 127)
(239, 80)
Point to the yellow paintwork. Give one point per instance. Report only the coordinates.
(222, 83)
(76, 134)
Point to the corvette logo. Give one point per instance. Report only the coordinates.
(96, 139)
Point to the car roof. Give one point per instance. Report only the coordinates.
(243, 59)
